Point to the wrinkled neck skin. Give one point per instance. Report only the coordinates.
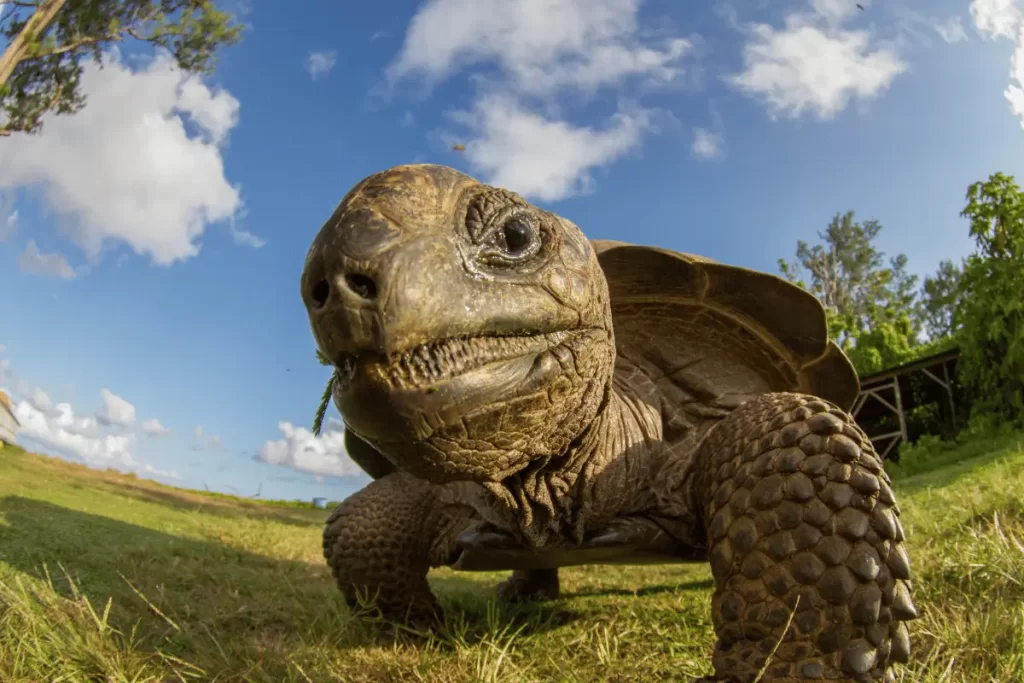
(556, 500)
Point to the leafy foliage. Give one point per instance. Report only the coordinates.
(885, 345)
(990, 312)
(47, 41)
(889, 345)
(846, 273)
(940, 296)
(872, 307)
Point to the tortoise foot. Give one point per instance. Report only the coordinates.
(377, 544)
(529, 585)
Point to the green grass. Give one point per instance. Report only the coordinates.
(109, 578)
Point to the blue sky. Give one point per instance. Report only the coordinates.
(152, 244)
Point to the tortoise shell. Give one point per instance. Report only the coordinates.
(721, 333)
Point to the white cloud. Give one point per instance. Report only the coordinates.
(40, 400)
(527, 54)
(160, 185)
(3, 348)
(214, 111)
(244, 238)
(301, 450)
(9, 225)
(241, 236)
(116, 410)
(320, 62)
(951, 30)
(542, 45)
(1014, 92)
(996, 18)
(706, 144)
(155, 428)
(537, 157)
(45, 264)
(1003, 19)
(77, 437)
(205, 441)
(813, 65)
(64, 417)
(59, 429)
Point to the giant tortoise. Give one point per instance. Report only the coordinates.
(525, 399)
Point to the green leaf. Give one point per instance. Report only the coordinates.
(325, 400)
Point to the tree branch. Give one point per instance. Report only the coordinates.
(18, 48)
(73, 45)
(113, 36)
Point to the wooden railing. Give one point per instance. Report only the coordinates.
(887, 397)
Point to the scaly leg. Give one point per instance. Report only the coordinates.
(381, 542)
(529, 585)
(801, 521)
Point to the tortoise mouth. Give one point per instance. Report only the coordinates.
(441, 360)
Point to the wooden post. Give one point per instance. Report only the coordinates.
(949, 393)
(899, 410)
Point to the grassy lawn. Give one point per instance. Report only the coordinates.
(109, 578)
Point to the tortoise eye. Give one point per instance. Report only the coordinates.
(512, 243)
(518, 235)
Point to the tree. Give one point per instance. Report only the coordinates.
(47, 41)
(900, 293)
(990, 312)
(887, 344)
(849, 276)
(940, 296)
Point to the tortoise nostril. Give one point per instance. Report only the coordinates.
(363, 286)
(321, 291)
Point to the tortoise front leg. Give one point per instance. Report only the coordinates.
(381, 542)
(805, 546)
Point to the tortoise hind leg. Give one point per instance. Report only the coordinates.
(381, 542)
(529, 585)
(805, 545)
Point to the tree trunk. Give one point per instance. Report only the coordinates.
(17, 50)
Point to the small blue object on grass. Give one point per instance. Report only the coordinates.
(320, 503)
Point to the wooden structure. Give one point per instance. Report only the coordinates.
(8, 423)
(887, 399)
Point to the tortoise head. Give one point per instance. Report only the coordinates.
(471, 330)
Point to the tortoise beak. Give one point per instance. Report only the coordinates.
(371, 279)
(377, 306)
